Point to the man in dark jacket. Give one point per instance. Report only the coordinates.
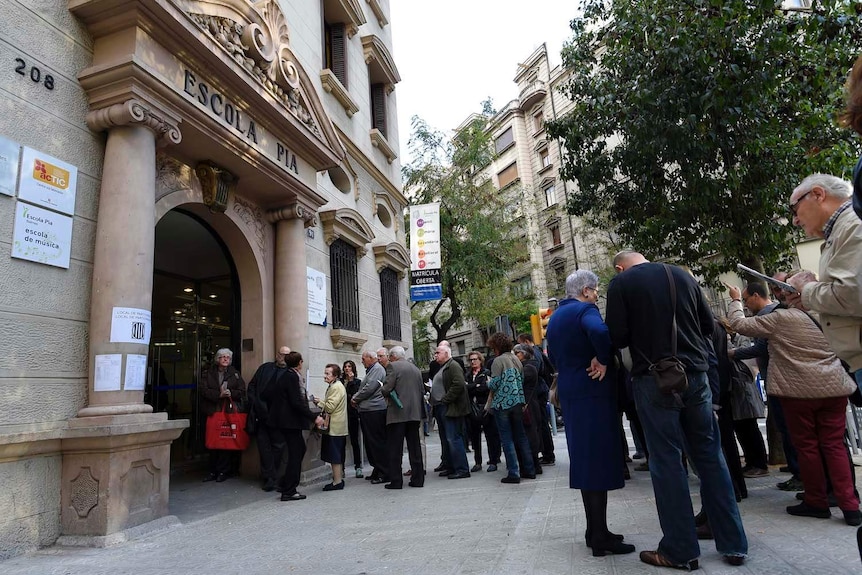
(642, 315)
(457, 404)
(269, 445)
(546, 377)
(288, 416)
(404, 382)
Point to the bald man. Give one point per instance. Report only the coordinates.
(269, 445)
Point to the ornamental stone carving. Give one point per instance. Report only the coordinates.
(261, 47)
(217, 185)
(297, 211)
(252, 216)
(84, 493)
(135, 112)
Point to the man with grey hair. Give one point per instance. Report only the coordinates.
(371, 405)
(821, 206)
(383, 358)
(270, 443)
(457, 407)
(404, 381)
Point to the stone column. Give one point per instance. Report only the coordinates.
(116, 453)
(125, 242)
(291, 290)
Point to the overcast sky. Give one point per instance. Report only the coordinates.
(453, 54)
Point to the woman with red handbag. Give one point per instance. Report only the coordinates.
(221, 384)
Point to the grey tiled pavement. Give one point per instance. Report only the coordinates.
(469, 526)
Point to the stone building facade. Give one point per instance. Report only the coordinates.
(176, 177)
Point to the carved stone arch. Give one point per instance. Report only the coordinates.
(256, 36)
(392, 255)
(384, 199)
(348, 225)
(378, 57)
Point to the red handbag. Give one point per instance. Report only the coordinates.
(226, 429)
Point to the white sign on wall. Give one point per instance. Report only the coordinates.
(107, 372)
(42, 236)
(136, 372)
(47, 181)
(10, 153)
(316, 296)
(130, 325)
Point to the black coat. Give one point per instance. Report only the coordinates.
(210, 390)
(287, 403)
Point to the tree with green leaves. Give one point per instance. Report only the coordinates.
(477, 241)
(693, 120)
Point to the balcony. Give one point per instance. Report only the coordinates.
(532, 94)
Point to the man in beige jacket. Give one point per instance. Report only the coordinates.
(821, 206)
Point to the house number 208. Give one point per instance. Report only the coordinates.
(35, 74)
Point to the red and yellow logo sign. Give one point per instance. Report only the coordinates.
(50, 174)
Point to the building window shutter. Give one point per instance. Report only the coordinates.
(378, 108)
(339, 52)
(391, 309)
(345, 286)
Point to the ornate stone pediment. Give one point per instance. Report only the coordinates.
(257, 39)
(348, 225)
(394, 256)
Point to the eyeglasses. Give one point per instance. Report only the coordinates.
(474, 359)
(793, 207)
(595, 289)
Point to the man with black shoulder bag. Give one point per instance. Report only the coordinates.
(659, 311)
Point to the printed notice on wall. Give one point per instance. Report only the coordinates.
(42, 236)
(10, 153)
(316, 296)
(47, 181)
(130, 325)
(136, 372)
(107, 372)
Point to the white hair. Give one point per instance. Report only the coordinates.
(580, 280)
(224, 351)
(834, 186)
(397, 352)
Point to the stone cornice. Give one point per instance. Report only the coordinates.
(378, 12)
(333, 85)
(375, 51)
(135, 112)
(379, 141)
(341, 336)
(348, 225)
(294, 211)
(352, 13)
(392, 255)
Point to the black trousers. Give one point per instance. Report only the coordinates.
(373, 425)
(353, 432)
(751, 440)
(492, 438)
(533, 434)
(731, 451)
(295, 443)
(270, 444)
(396, 433)
(545, 434)
(221, 461)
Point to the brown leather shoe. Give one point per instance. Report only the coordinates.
(704, 531)
(659, 560)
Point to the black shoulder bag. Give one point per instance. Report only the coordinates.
(669, 372)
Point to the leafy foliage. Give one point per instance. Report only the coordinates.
(477, 247)
(693, 121)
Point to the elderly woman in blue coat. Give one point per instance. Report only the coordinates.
(580, 347)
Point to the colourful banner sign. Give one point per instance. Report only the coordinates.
(425, 253)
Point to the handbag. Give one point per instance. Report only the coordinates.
(226, 429)
(477, 412)
(669, 372)
(322, 421)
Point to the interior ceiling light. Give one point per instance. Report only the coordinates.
(188, 290)
(213, 296)
(180, 328)
(177, 312)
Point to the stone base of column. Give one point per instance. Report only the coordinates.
(115, 475)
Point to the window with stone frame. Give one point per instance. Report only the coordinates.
(544, 158)
(335, 49)
(504, 140)
(550, 195)
(560, 276)
(522, 287)
(538, 121)
(378, 108)
(345, 286)
(554, 230)
(389, 299)
(507, 175)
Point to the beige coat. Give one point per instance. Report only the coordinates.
(335, 404)
(801, 363)
(837, 296)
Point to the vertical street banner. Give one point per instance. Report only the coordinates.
(425, 253)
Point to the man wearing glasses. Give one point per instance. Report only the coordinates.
(821, 206)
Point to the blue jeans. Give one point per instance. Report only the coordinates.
(510, 424)
(670, 428)
(456, 436)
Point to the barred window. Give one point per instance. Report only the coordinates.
(345, 286)
(391, 307)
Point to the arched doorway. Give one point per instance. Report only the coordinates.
(196, 311)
